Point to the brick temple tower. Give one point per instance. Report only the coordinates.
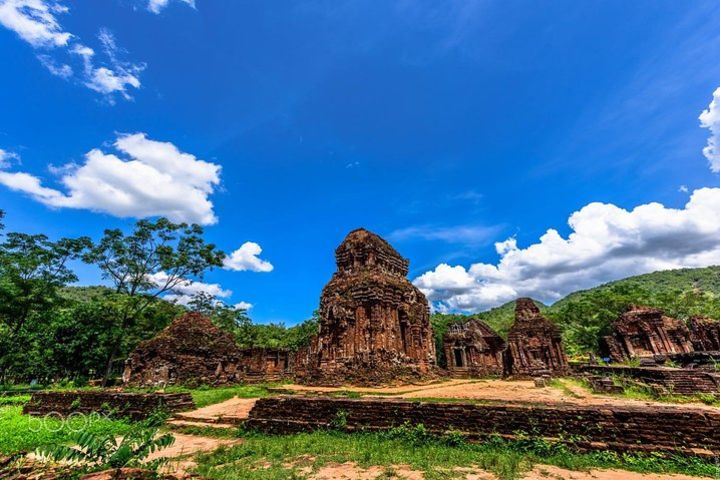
(375, 324)
(534, 343)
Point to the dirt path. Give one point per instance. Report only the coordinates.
(497, 390)
(388, 390)
(525, 391)
(231, 411)
(185, 447)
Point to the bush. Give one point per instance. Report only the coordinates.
(106, 451)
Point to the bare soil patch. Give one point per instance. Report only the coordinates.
(526, 392)
(351, 471)
(497, 391)
(394, 389)
(184, 448)
(232, 411)
(546, 472)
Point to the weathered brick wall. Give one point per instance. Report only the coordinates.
(118, 404)
(645, 428)
(678, 381)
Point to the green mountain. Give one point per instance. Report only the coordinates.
(658, 283)
(585, 316)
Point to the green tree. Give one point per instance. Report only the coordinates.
(77, 339)
(301, 334)
(157, 258)
(226, 317)
(33, 269)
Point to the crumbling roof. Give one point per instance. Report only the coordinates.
(364, 250)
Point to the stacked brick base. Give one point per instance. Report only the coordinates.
(136, 406)
(649, 428)
(677, 381)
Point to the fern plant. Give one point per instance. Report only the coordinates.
(106, 451)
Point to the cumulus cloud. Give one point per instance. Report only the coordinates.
(607, 243)
(184, 292)
(243, 306)
(155, 179)
(157, 6)
(36, 22)
(710, 119)
(247, 258)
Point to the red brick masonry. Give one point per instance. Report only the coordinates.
(116, 404)
(642, 428)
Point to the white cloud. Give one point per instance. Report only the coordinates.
(683, 189)
(710, 119)
(36, 22)
(6, 157)
(61, 70)
(243, 306)
(157, 6)
(467, 234)
(247, 258)
(108, 80)
(187, 289)
(156, 179)
(607, 243)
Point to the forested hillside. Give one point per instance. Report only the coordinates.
(585, 316)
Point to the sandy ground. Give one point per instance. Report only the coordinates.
(351, 471)
(397, 390)
(190, 445)
(184, 448)
(497, 390)
(234, 410)
(545, 472)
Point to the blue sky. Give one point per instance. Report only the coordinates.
(447, 128)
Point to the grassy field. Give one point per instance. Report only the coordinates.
(280, 457)
(262, 456)
(20, 433)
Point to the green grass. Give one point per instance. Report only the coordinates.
(14, 400)
(561, 385)
(271, 457)
(23, 433)
(212, 432)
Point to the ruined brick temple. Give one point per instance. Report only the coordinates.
(704, 334)
(473, 349)
(534, 343)
(645, 332)
(374, 323)
(192, 350)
